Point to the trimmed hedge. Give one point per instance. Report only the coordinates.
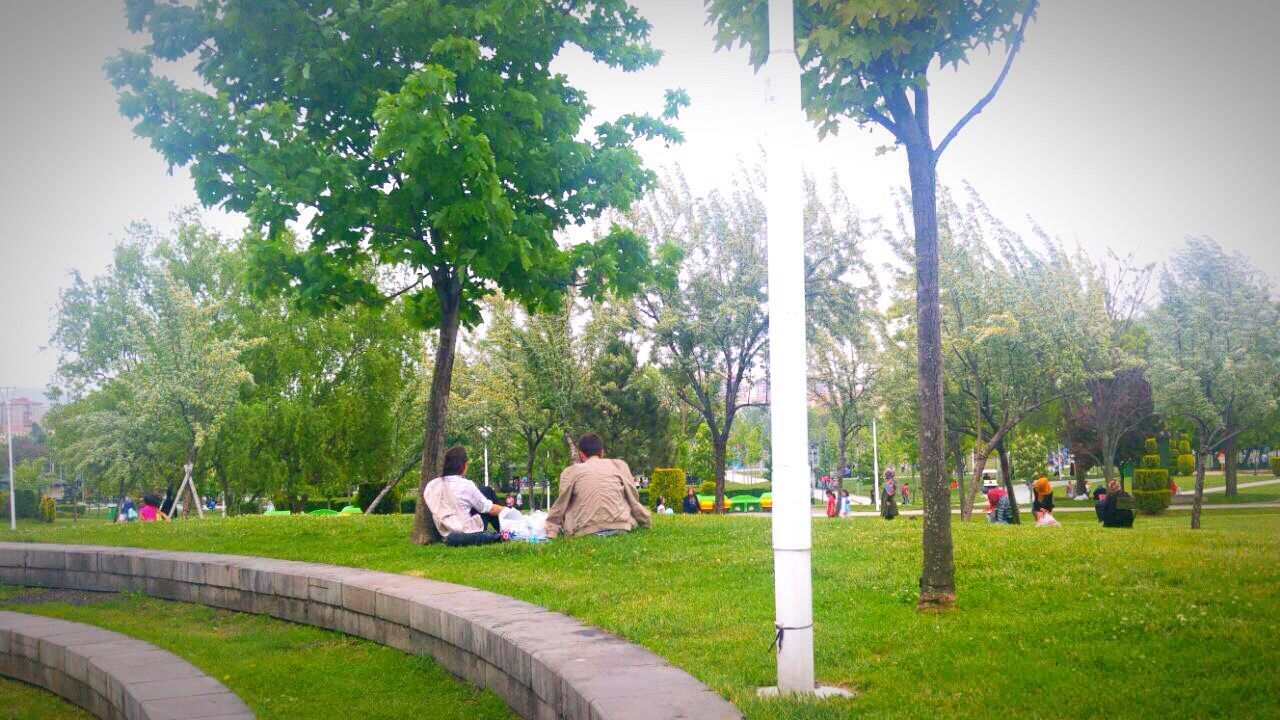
(668, 483)
(1151, 494)
(707, 487)
(1186, 460)
(1275, 466)
(26, 505)
(48, 509)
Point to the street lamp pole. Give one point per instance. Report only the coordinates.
(484, 432)
(7, 397)
(788, 414)
(875, 466)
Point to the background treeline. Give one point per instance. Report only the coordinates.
(180, 353)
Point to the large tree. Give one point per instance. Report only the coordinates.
(1216, 349)
(706, 310)
(430, 138)
(868, 61)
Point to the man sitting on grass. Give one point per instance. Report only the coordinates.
(452, 498)
(597, 496)
(1116, 509)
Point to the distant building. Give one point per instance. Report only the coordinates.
(25, 413)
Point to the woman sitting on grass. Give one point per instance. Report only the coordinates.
(151, 509)
(999, 509)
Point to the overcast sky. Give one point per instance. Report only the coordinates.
(1125, 123)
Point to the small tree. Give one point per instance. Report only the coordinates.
(1186, 461)
(667, 483)
(1151, 492)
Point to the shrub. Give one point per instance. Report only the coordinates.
(668, 483)
(48, 509)
(1186, 461)
(25, 504)
(1275, 466)
(249, 508)
(708, 487)
(366, 492)
(1151, 492)
(406, 506)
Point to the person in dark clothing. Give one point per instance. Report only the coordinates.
(690, 504)
(166, 506)
(1099, 497)
(1117, 509)
(489, 520)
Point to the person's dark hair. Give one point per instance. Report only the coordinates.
(151, 499)
(590, 445)
(455, 460)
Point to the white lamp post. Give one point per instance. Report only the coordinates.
(484, 433)
(789, 429)
(875, 465)
(7, 397)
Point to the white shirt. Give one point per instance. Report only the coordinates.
(468, 494)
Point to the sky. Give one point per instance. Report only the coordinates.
(1126, 125)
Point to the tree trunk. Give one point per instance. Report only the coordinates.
(980, 457)
(393, 481)
(424, 528)
(1198, 501)
(718, 446)
(1082, 479)
(572, 445)
(1006, 476)
(842, 449)
(1231, 466)
(937, 576)
(119, 505)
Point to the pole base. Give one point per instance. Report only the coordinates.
(821, 692)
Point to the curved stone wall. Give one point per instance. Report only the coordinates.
(544, 664)
(109, 674)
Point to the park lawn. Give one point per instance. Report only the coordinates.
(281, 670)
(1075, 621)
(21, 701)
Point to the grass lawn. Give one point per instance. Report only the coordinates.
(279, 669)
(27, 702)
(1075, 621)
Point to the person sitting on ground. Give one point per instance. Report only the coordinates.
(597, 496)
(661, 507)
(690, 505)
(151, 509)
(452, 498)
(1117, 508)
(999, 509)
(1042, 490)
(488, 519)
(1099, 497)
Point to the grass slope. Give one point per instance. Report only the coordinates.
(20, 701)
(1075, 621)
(279, 669)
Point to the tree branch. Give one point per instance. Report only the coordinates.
(1008, 63)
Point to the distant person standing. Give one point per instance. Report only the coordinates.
(832, 509)
(889, 496)
(906, 494)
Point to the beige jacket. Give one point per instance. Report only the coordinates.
(596, 495)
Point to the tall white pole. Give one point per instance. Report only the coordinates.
(8, 441)
(875, 465)
(789, 430)
(486, 462)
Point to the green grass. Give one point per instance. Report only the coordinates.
(1075, 621)
(279, 669)
(20, 701)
